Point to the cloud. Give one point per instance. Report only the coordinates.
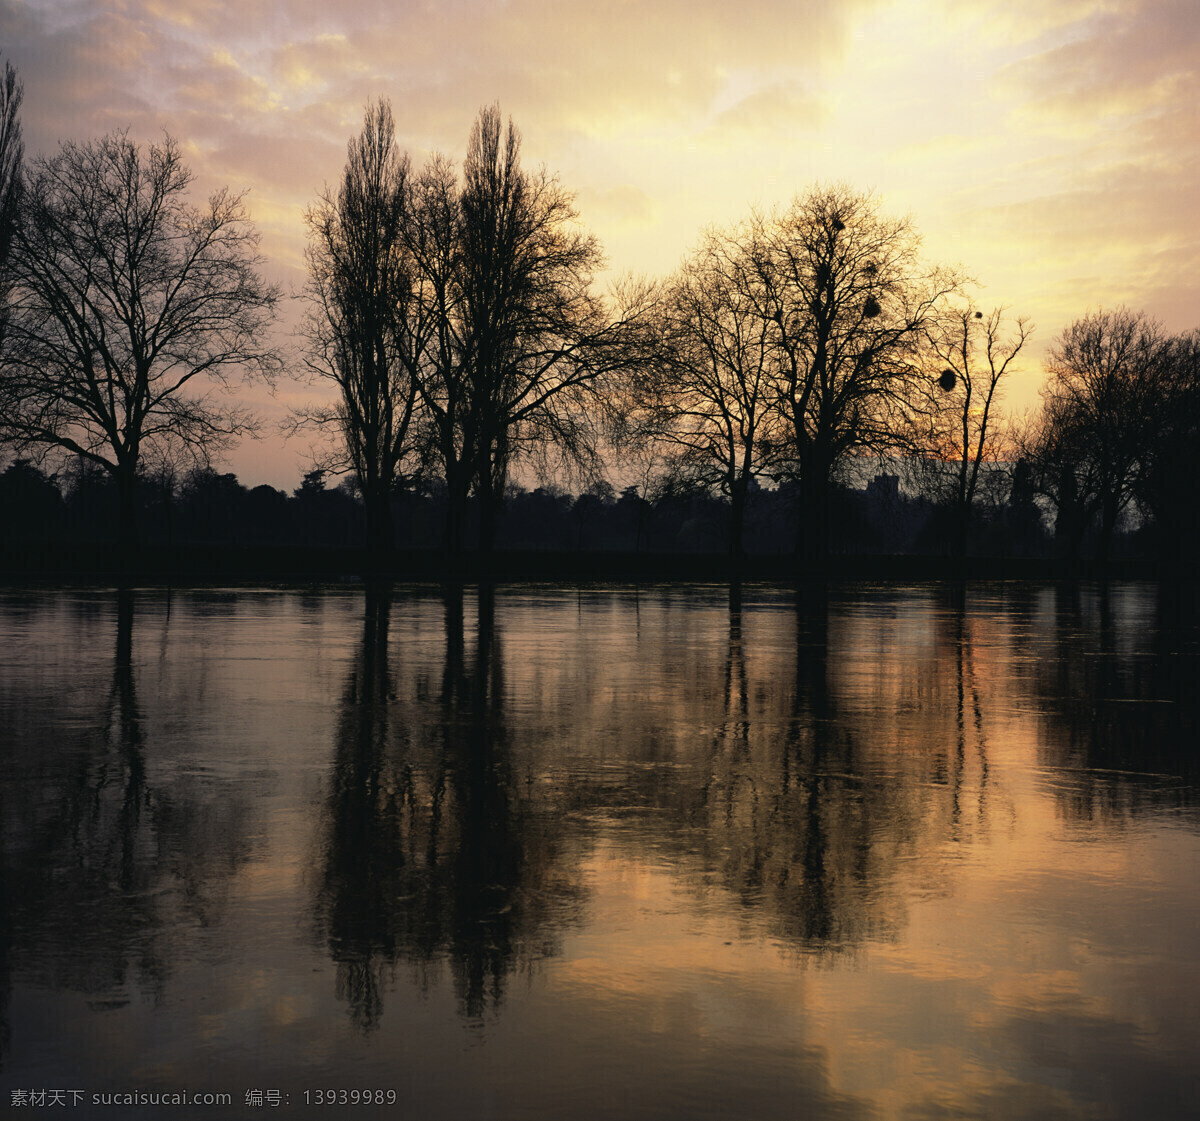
(1125, 58)
(594, 72)
(774, 113)
(627, 205)
(1048, 145)
(1066, 154)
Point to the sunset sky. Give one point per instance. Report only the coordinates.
(1047, 146)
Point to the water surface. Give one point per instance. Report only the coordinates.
(868, 852)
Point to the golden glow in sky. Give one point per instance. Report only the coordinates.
(1049, 147)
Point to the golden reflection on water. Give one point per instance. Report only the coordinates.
(891, 852)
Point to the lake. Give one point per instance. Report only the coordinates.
(854, 851)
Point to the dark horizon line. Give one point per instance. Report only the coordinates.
(35, 562)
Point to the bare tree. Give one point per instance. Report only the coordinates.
(953, 419)
(12, 151)
(849, 300)
(1098, 407)
(705, 396)
(521, 341)
(1168, 470)
(130, 309)
(1048, 446)
(448, 419)
(368, 326)
(535, 335)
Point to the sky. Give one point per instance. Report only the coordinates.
(1048, 147)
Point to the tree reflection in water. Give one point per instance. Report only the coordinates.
(450, 819)
(799, 831)
(793, 765)
(109, 852)
(678, 796)
(1116, 681)
(434, 851)
(833, 763)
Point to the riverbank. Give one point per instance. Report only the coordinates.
(200, 563)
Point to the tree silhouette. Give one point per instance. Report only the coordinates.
(954, 422)
(1096, 421)
(12, 153)
(1168, 468)
(848, 302)
(367, 327)
(704, 399)
(523, 341)
(129, 308)
(107, 854)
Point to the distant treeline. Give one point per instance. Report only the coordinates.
(210, 509)
(452, 320)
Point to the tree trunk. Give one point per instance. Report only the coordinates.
(169, 509)
(490, 491)
(492, 476)
(737, 523)
(127, 521)
(812, 529)
(962, 529)
(965, 496)
(488, 519)
(457, 484)
(381, 534)
(1068, 520)
(1108, 524)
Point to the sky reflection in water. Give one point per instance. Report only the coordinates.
(914, 852)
